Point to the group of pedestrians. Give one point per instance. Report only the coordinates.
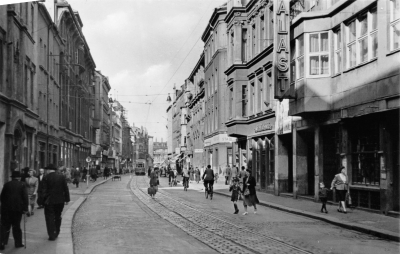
(243, 187)
(18, 197)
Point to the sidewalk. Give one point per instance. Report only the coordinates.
(369, 223)
(36, 233)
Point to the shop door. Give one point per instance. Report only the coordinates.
(257, 163)
(396, 168)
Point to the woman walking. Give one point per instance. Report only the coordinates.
(153, 181)
(191, 174)
(249, 192)
(340, 184)
(32, 187)
(235, 188)
(197, 175)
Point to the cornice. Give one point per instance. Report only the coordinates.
(266, 115)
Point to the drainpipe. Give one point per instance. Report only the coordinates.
(47, 102)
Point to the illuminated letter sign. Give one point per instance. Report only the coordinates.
(281, 67)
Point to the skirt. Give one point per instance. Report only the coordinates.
(32, 199)
(250, 200)
(191, 177)
(341, 195)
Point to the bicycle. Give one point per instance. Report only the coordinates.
(185, 183)
(208, 190)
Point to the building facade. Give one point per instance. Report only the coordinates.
(195, 117)
(217, 145)
(19, 113)
(252, 107)
(345, 75)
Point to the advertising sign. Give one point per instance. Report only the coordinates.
(220, 138)
(281, 66)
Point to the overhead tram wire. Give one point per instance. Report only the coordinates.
(189, 51)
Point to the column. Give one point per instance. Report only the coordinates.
(300, 184)
(281, 166)
(318, 164)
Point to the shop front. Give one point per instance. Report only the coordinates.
(218, 151)
(255, 150)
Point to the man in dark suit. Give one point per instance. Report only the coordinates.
(40, 188)
(14, 202)
(55, 194)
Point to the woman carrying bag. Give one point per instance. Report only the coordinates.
(153, 183)
(249, 192)
(340, 183)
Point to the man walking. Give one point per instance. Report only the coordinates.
(228, 173)
(40, 188)
(56, 194)
(14, 202)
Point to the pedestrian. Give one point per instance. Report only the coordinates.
(153, 182)
(14, 202)
(56, 195)
(84, 174)
(197, 174)
(149, 172)
(249, 192)
(93, 173)
(323, 196)
(77, 176)
(68, 175)
(340, 184)
(105, 173)
(25, 174)
(191, 174)
(216, 176)
(235, 172)
(32, 188)
(40, 188)
(235, 189)
(185, 177)
(228, 172)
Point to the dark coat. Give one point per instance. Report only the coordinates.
(14, 197)
(252, 185)
(55, 189)
(76, 174)
(40, 191)
(153, 179)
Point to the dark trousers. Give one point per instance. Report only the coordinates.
(226, 180)
(11, 219)
(52, 214)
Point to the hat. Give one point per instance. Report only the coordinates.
(15, 174)
(51, 167)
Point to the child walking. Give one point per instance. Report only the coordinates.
(235, 188)
(323, 196)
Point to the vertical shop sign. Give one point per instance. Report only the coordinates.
(281, 67)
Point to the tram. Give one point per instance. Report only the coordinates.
(140, 168)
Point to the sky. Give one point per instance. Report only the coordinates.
(144, 47)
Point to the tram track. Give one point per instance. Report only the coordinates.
(221, 235)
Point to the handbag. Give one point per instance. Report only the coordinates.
(151, 191)
(246, 192)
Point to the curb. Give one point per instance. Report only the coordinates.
(385, 234)
(65, 244)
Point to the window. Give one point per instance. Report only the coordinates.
(269, 95)
(260, 94)
(319, 54)
(231, 105)
(262, 33)
(293, 61)
(244, 45)
(252, 98)
(338, 50)
(253, 35)
(394, 24)
(244, 101)
(362, 41)
(300, 57)
(232, 47)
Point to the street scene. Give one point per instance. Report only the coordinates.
(199, 126)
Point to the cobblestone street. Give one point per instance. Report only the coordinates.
(114, 220)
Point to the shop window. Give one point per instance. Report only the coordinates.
(271, 168)
(365, 154)
(394, 24)
(318, 63)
